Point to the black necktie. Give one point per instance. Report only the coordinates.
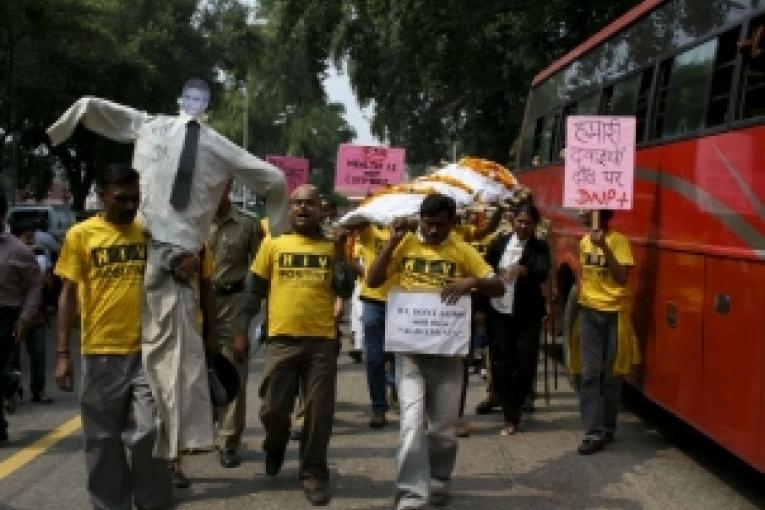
(179, 197)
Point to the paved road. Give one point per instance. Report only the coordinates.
(656, 463)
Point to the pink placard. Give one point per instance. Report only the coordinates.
(295, 169)
(361, 168)
(600, 162)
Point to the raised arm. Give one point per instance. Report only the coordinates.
(111, 120)
(378, 271)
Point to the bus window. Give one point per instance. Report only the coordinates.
(621, 98)
(630, 97)
(545, 139)
(685, 99)
(753, 84)
(641, 109)
(588, 105)
(722, 79)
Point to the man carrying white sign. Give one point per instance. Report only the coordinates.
(428, 377)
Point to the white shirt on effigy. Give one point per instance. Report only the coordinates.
(158, 143)
(510, 257)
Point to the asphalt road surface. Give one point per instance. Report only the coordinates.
(655, 463)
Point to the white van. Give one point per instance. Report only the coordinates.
(59, 218)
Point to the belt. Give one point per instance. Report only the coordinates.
(225, 289)
(372, 300)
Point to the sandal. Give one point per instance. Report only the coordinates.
(508, 430)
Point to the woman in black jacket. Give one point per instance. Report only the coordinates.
(514, 320)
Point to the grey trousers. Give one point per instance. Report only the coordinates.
(600, 391)
(427, 386)
(114, 388)
(174, 357)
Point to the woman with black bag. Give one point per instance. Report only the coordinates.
(514, 319)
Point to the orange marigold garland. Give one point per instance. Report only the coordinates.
(490, 169)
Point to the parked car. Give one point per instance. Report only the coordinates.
(57, 218)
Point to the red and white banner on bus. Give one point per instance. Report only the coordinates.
(361, 168)
(295, 169)
(600, 162)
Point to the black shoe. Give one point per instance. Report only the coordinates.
(590, 445)
(180, 481)
(318, 496)
(355, 356)
(440, 498)
(485, 407)
(229, 458)
(274, 461)
(378, 420)
(608, 437)
(296, 434)
(41, 398)
(3, 437)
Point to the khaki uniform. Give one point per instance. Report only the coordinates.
(234, 242)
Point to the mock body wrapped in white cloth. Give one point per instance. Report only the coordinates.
(460, 182)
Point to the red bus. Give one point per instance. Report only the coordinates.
(693, 74)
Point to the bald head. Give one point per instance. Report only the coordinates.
(305, 210)
(305, 191)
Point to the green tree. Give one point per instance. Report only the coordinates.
(288, 109)
(442, 73)
(137, 52)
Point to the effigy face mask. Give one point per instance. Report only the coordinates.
(194, 101)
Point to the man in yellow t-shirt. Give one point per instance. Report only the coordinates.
(371, 239)
(102, 264)
(431, 259)
(301, 273)
(606, 259)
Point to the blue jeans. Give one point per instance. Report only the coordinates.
(373, 318)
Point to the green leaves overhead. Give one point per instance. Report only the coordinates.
(140, 52)
(443, 73)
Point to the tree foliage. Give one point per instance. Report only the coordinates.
(443, 73)
(139, 52)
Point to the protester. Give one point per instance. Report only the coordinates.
(429, 259)
(514, 319)
(234, 240)
(301, 273)
(606, 260)
(20, 294)
(37, 337)
(371, 239)
(102, 264)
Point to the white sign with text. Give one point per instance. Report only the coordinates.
(419, 322)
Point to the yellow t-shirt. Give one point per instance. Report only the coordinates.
(416, 265)
(599, 289)
(463, 232)
(107, 262)
(300, 297)
(482, 244)
(371, 240)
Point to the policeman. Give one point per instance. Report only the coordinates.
(234, 240)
